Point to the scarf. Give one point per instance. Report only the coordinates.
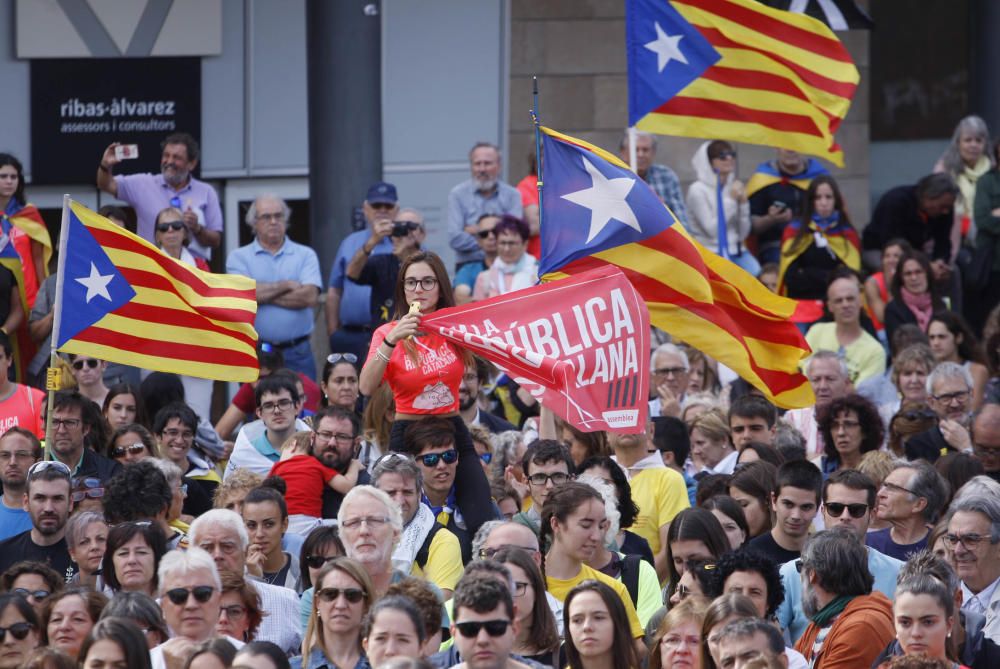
(966, 180)
(412, 539)
(524, 272)
(920, 305)
(825, 616)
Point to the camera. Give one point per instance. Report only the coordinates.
(402, 228)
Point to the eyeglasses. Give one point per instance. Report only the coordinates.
(235, 612)
(339, 436)
(511, 243)
(836, 509)
(180, 596)
(725, 154)
(970, 541)
(352, 595)
(317, 561)
(471, 629)
(426, 283)
(431, 459)
(18, 630)
(334, 358)
(892, 487)
(980, 450)
(174, 433)
(276, 217)
(42, 465)
(488, 553)
(183, 489)
(557, 478)
(169, 225)
(280, 405)
(483, 234)
(952, 398)
(68, 423)
(486, 457)
(669, 371)
(38, 595)
(134, 449)
(676, 641)
(90, 362)
(520, 587)
(92, 493)
(372, 522)
(799, 565)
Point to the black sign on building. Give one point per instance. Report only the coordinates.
(80, 106)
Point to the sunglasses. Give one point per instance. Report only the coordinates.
(317, 561)
(92, 493)
(134, 449)
(470, 630)
(431, 459)
(483, 234)
(18, 630)
(486, 457)
(91, 363)
(179, 596)
(39, 595)
(352, 595)
(170, 225)
(334, 358)
(836, 509)
(42, 465)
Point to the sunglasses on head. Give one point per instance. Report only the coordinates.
(334, 358)
(431, 459)
(91, 363)
(352, 595)
(134, 449)
(18, 630)
(317, 561)
(39, 595)
(169, 225)
(42, 465)
(179, 596)
(471, 629)
(836, 509)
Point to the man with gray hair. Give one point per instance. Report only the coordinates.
(660, 178)
(670, 372)
(743, 641)
(222, 534)
(371, 524)
(974, 540)
(911, 498)
(850, 624)
(830, 379)
(426, 548)
(484, 193)
(288, 282)
(949, 395)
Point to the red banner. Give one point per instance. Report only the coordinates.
(580, 345)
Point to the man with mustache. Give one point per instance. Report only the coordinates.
(174, 186)
(47, 501)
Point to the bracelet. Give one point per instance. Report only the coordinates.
(386, 342)
(381, 356)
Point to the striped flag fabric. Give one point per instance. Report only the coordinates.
(23, 226)
(121, 299)
(737, 70)
(596, 212)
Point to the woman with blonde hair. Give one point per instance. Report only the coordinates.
(677, 644)
(711, 446)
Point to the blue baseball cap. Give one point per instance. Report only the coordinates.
(381, 192)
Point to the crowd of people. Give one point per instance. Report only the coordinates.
(406, 505)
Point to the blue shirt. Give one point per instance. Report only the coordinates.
(355, 300)
(466, 205)
(881, 540)
(13, 521)
(292, 261)
(467, 275)
(264, 447)
(789, 613)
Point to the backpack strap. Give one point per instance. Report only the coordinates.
(425, 548)
(630, 576)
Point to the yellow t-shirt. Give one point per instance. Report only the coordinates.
(660, 495)
(560, 588)
(444, 561)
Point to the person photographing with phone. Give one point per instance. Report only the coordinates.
(174, 186)
(381, 272)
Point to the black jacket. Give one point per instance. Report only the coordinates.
(495, 424)
(94, 465)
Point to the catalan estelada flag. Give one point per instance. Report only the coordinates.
(121, 299)
(596, 212)
(737, 70)
(24, 226)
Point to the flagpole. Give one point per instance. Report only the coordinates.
(52, 376)
(538, 146)
(632, 135)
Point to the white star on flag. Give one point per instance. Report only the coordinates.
(666, 47)
(606, 200)
(97, 284)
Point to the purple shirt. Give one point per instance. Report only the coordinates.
(149, 194)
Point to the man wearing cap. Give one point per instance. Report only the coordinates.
(348, 305)
(380, 272)
(483, 193)
(288, 282)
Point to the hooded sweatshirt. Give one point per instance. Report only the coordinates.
(856, 637)
(702, 205)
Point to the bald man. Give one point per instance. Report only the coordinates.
(986, 439)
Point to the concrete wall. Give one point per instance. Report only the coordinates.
(577, 49)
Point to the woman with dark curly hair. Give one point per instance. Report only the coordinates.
(915, 297)
(752, 575)
(606, 469)
(850, 427)
(35, 581)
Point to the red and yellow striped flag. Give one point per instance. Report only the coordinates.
(780, 79)
(121, 299)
